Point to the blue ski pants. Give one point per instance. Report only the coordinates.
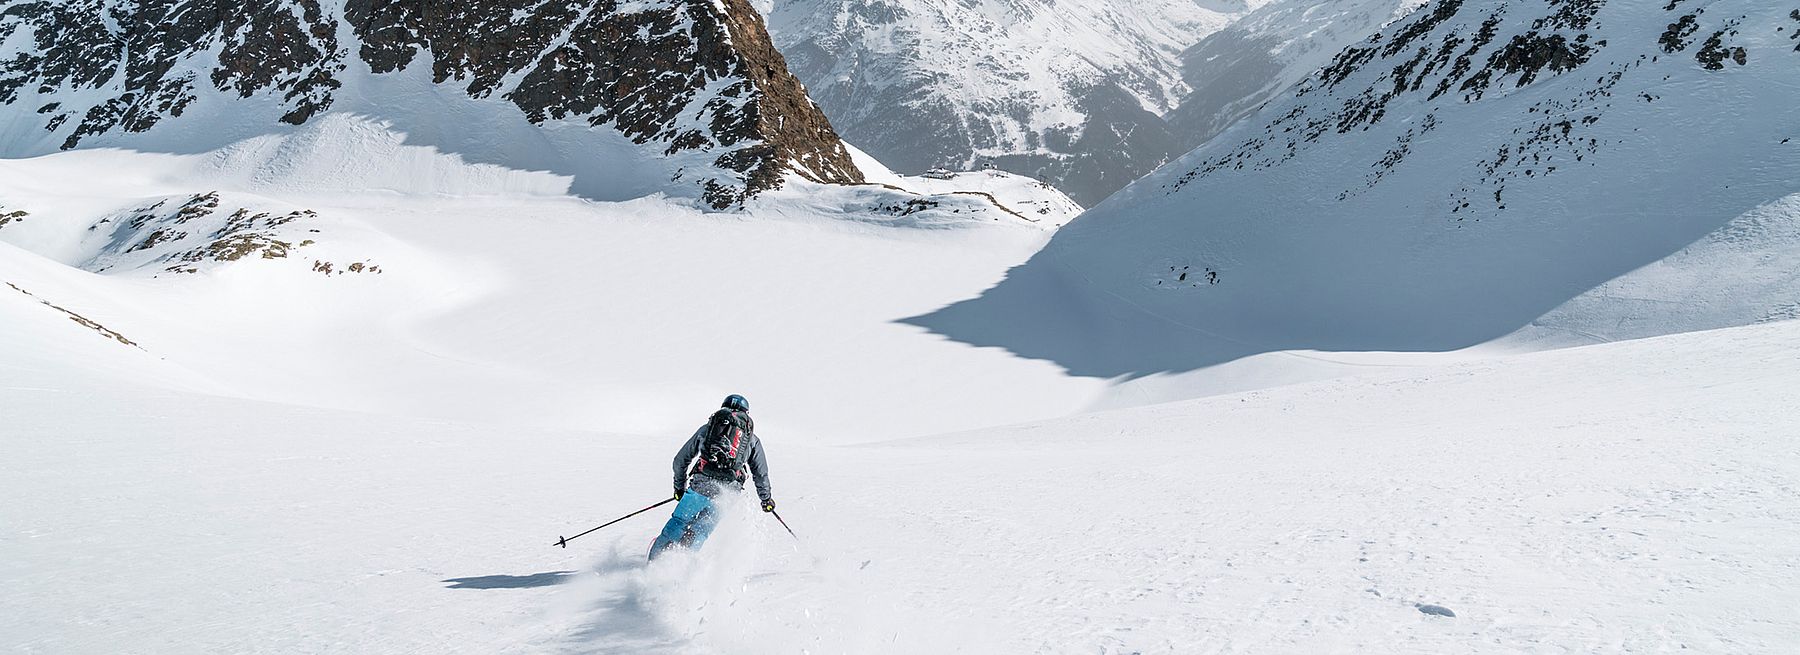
(694, 519)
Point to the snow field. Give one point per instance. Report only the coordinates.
(1624, 498)
(259, 457)
(556, 311)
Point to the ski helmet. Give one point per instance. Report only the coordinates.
(736, 402)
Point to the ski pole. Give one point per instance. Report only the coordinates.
(784, 525)
(564, 542)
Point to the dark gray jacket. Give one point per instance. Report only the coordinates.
(750, 455)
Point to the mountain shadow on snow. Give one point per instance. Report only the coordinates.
(1477, 170)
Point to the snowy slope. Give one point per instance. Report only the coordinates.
(222, 435)
(60, 324)
(1626, 498)
(1068, 92)
(1743, 272)
(1233, 71)
(418, 223)
(531, 306)
(1446, 183)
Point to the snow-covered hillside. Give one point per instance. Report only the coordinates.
(1626, 498)
(1068, 92)
(337, 384)
(624, 99)
(1448, 182)
(532, 306)
(1233, 71)
(439, 192)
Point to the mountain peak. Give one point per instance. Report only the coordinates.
(695, 81)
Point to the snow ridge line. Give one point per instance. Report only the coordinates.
(79, 319)
(990, 198)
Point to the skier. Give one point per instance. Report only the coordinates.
(713, 461)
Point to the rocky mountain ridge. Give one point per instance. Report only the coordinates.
(1236, 70)
(1482, 171)
(692, 80)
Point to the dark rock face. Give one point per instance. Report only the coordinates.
(1794, 35)
(675, 75)
(261, 45)
(790, 126)
(1714, 52)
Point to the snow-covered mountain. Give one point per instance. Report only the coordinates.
(1233, 71)
(622, 96)
(339, 386)
(1450, 181)
(1069, 92)
(287, 174)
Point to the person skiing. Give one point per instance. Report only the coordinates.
(713, 461)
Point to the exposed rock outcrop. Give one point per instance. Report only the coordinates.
(676, 76)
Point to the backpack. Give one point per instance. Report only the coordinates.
(725, 436)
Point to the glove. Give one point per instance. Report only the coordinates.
(768, 505)
(678, 494)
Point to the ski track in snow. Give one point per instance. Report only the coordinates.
(290, 461)
(1624, 498)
